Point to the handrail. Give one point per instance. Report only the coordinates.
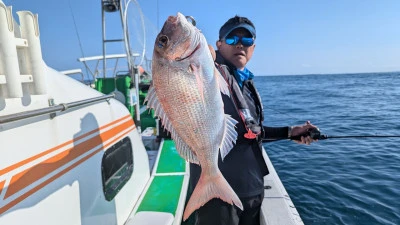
(52, 109)
(74, 71)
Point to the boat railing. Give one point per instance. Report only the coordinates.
(96, 71)
(52, 109)
(73, 72)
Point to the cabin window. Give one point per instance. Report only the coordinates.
(116, 167)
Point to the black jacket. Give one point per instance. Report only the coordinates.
(244, 167)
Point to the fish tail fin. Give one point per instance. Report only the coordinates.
(208, 188)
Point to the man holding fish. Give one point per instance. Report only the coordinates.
(214, 114)
(244, 167)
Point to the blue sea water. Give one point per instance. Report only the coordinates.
(338, 181)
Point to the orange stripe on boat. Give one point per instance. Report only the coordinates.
(46, 182)
(31, 175)
(28, 160)
(2, 185)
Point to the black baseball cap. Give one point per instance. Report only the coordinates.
(234, 23)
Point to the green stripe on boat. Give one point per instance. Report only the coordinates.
(170, 161)
(163, 194)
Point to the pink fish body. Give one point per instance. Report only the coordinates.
(186, 95)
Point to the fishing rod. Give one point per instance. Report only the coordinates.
(323, 137)
(316, 135)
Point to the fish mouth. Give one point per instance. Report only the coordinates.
(188, 56)
(185, 19)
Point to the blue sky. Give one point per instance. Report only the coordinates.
(293, 37)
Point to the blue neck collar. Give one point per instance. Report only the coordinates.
(243, 75)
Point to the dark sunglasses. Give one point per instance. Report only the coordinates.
(234, 40)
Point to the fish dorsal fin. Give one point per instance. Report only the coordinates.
(223, 86)
(230, 136)
(183, 149)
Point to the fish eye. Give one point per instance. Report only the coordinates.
(162, 41)
(191, 20)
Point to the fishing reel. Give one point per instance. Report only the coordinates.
(314, 133)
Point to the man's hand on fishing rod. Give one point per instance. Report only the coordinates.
(301, 133)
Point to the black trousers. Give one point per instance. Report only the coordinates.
(218, 212)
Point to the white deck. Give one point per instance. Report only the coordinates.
(277, 207)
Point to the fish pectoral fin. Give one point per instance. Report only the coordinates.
(199, 81)
(223, 86)
(208, 188)
(229, 137)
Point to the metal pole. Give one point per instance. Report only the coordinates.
(137, 106)
(104, 38)
(52, 109)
